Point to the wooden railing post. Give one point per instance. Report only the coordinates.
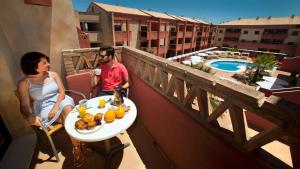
(237, 120)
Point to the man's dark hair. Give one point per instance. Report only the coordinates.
(30, 61)
(110, 51)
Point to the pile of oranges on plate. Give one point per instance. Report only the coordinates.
(89, 121)
(111, 114)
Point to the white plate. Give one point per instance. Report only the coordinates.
(89, 131)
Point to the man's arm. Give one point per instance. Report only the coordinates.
(125, 78)
(126, 83)
(94, 79)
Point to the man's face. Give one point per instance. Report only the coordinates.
(103, 58)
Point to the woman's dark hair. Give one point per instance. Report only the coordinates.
(110, 51)
(29, 62)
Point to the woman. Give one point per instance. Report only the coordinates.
(47, 91)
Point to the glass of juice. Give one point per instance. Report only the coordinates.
(102, 103)
(82, 107)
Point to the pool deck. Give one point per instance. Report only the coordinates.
(226, 75)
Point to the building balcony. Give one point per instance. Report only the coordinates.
(232, 35)
(94, 36)
(89, 17)
(187, 119)
(274, 36)
(204, 34)
(163, 34)
(121, 36)
(153, 35)
(255, 46)
(192, 117)
(162, 50)
(188, 34)
(173, 33)
(187, 45)
(212, 33)
(180, 34)
(175, 47)
(194, 45)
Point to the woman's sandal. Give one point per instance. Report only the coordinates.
(78, 156)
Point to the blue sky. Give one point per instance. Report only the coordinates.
(213, 11)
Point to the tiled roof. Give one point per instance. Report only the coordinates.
(133, 11)
(265, 21)
(121, 9)
(177, 17)
(158, 14)
(189, 19)
(201, 21)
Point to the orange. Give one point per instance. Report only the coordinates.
(110, 115)
(102, 103)
(120, 112)
(88, 117)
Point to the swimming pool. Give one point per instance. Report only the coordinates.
(229, 65)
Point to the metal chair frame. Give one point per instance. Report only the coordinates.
(55, 127)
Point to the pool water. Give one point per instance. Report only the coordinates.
(229, 65)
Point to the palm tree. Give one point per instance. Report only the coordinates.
(257, 69)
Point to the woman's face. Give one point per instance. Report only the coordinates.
(43, 65)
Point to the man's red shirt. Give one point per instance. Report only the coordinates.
(112, 76)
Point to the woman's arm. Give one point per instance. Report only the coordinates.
(25, 107)
(61, 96)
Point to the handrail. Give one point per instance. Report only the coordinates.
(181, 84)
(285, 89)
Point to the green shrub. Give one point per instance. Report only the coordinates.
(257, 69)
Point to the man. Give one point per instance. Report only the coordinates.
(112, 74)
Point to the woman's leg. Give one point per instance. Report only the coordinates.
(78, 156)
(66, 110)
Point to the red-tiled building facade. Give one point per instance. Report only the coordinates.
(162, 34)
(280, 35)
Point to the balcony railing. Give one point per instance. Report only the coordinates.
(194, 45)
(180, 34)
(203, 34)
(188, 34)
(274, 36)
(173, 33)
(252, 45)
(153, 35)
(163, 34)
(94, 36)
(87, 17)
(171, 80)
(121, 36)
(193, 91)
(187, 45)
(234, 35)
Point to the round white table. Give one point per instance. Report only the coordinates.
(106, 130)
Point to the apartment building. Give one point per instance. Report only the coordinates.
(279, 35)
(162, 34)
